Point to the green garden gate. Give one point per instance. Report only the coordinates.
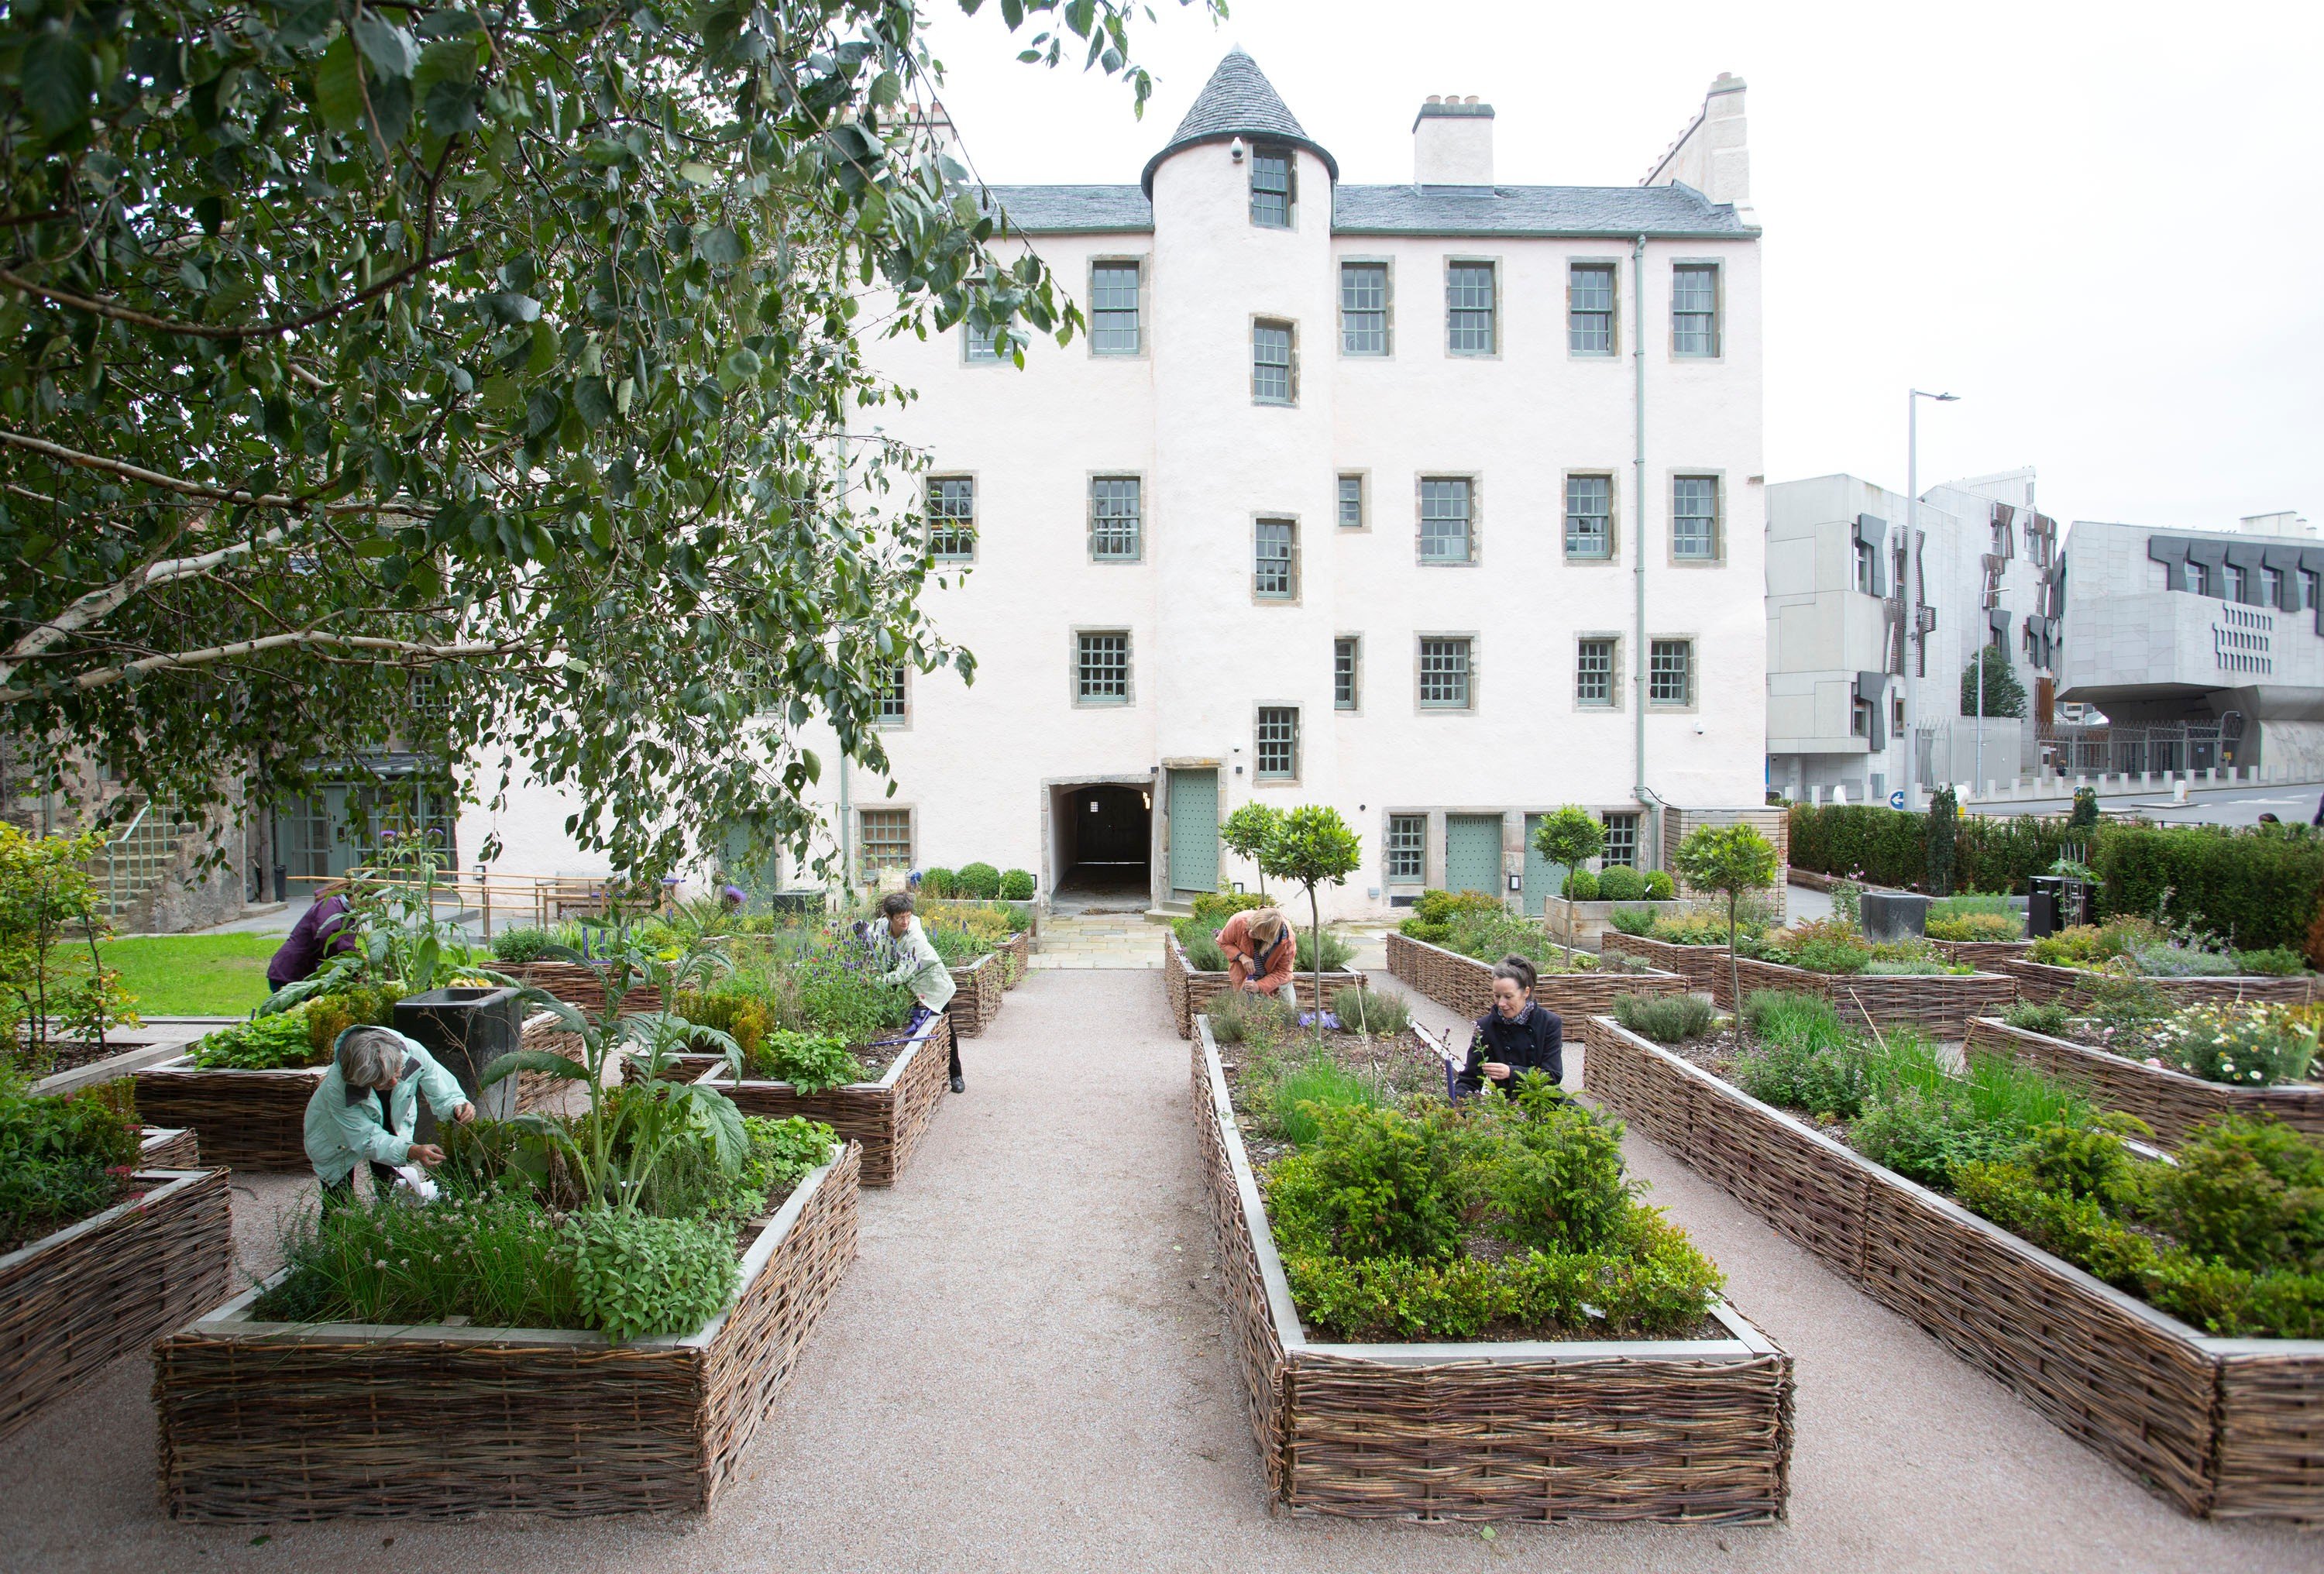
(1472, 852)
(1193, 809)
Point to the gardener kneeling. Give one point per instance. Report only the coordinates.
(1260, 953)
(366, 1106)
(1516, 1037)
(919, 969)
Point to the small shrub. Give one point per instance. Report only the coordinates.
(1638, 921)
(1580, 885)
(980, 881)
(1018, 885)
(2249, 1193)
(1975, 927)
(1433, 912)
(1371, 1183)
(1664, 1019)
(1203, 952)
(1621, 883)
(940, 883)
(1366, 1010)
(2180, 961)
(265, 1043)
(1660, 887)
(2277, 962)
(635, 1276)
(2050, 1017)
(743, 1018)
(1824, 945)
(1560, 1185)
(1215, 907)
(523, 944)
(1337, 951)
(1237, 1016)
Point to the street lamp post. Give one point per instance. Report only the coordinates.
(1913, 568)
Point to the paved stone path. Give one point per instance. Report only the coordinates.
(1087, 940)
(1028, 1369)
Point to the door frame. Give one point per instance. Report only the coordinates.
(1170, 763)
(1145, 781)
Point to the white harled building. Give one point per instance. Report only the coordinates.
(1438, 502)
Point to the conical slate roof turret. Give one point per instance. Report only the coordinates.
(1237, 101)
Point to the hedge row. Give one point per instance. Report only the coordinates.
(2255, 888)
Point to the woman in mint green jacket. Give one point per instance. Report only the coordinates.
(367, 1105)
(918, 968)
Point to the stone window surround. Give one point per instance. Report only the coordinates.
(1476, 480)
(903, 723)
(1364, 484)
(1298, 579)
(1144, 262)
(911, 814)
(1614, 705)
(1356, 709)
(1501, 306)
(1612, 265)
(1612, 475)
(1089, 478)
(976, 510)
(1718, 266)
(1298, 743)
(1073, 668)
(1258, 321)
(1721, 526)
(1339, 265)
(1475, 639)
(1693, 672)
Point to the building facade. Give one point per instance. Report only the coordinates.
(1438, 503)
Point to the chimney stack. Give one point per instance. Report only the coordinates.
(1453, 141)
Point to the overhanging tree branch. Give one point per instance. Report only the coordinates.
(194, 489)
(316, 638)
(196, 330)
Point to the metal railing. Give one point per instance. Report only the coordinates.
(140, 857)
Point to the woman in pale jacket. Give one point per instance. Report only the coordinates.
(366, 1107)
(919, 969)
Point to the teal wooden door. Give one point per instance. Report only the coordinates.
(1542, 878)
(1472, 852)
(1194, 806)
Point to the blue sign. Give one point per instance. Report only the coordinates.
(1896, 799)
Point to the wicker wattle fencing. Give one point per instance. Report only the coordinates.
(1938, 1003)
(2043, 982)
(978, 990)
(1988, 956)
(886, 1118)
(2170, 1101)
(1704, 967)
(1017, 954)
(1610, 1430)
(1464, 985)
(271, 1421)
(2222, 1428)
(73, 1302)
(581, 985)
(163, 1147)
(257, 1120)
(1190, 991)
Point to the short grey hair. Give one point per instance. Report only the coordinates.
(370, 1057)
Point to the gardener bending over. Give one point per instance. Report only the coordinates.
(366, 1107)
(321, 930)
(920, 970)
(1260, 953)
(1516, 1035)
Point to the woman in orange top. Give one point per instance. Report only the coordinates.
(1261, 952)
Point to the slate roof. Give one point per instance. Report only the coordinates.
(1237, 101)
(1659, 211)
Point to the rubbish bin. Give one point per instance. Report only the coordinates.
(467, 1029)
(2054, 901)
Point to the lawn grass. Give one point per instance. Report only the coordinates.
(194, 975)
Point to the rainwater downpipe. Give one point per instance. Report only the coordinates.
(847, 814)
(1638, 549)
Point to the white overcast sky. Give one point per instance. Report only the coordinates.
(2102, 227)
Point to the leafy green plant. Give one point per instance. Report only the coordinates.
(2247, 1045)
(53, 977)
(1366, 1010)
(812, 1063)
(1246, 832)
(2052, 1018)
(1989, 686)
(2278, 961)
(522, 944)
(2247, 1192)
(938, 882)
(635, 1276)
(263, 1044)
(1621, 883)
(1201, 945)
(1335, 955)
(1638, 921)
(1214, 908)
(1580, 886)
(979, 881)
(1665, 1018)
(1305, 1093)
(1434, 912)
(61, 1158)
(1018, 885)
(1490, 936)
(1975, 927)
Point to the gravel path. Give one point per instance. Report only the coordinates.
(1028, 1370)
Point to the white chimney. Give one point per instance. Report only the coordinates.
(1453, 142)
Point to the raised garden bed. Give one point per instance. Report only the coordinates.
(1019, 952)
(580, 984)
(2043, 981)
(977, 994)
(165, 1147)
(1190, 991)
(268, 1420)
(73, 1302)
(886, 1117)
(2223, 1427)
(1985, 955)
(1704, 967)
(2170, 1100)
(1939, 1003)
(1614, 1429)
(1464, 985)
(257, 1120)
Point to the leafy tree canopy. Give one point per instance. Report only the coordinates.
(497, 363)
(2005, 695)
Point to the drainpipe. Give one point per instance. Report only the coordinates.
(1638, 546)
(847, 814)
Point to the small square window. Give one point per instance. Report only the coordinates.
(1859, 718)
(1469, 309)
(952, 518)
(1272, 379)
(1363, 308)
(894, 697)
(1113, 310)
(1589, 516)
(1351, 502)
(1589, 309)
(978, 345)
(1407, 848)
(1669, 672)
(1622, 849)
(1444, 671)
(1867, 568)
(1346, 655)
(1273, 178)
(884, 840)
(1117, 525)
(1445, 509)
(1101, 668)
(1594, 673)
(1278, 753)
(1275, 566)
(1694, 309)
(1694, 518)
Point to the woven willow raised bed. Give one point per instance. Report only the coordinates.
(1190, 991)
(163, 1147)
(1464, 985)
(1017, 952)
(276, 1421)
(2044, 982)
(1665, 1429)
(977, 991)
(581, 985)
(1985, 955)
(1704, 967)
(72, 1302)
(257, 1120)
(1939, 1003)
(2170, 1101)
(2223, 1427)
(886, 1118)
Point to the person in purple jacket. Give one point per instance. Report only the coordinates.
(319, 932)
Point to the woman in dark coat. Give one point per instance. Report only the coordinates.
(1516, 1037)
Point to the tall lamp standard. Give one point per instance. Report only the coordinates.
(1913, 567)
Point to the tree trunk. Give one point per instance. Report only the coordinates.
(1734, 972)
(1316, 929)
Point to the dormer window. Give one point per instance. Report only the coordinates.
(1272, 182)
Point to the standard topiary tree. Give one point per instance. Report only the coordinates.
(1730, 859)
(1311, 845)
(1944, 824)
(1572, 837)
(1245, 834)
